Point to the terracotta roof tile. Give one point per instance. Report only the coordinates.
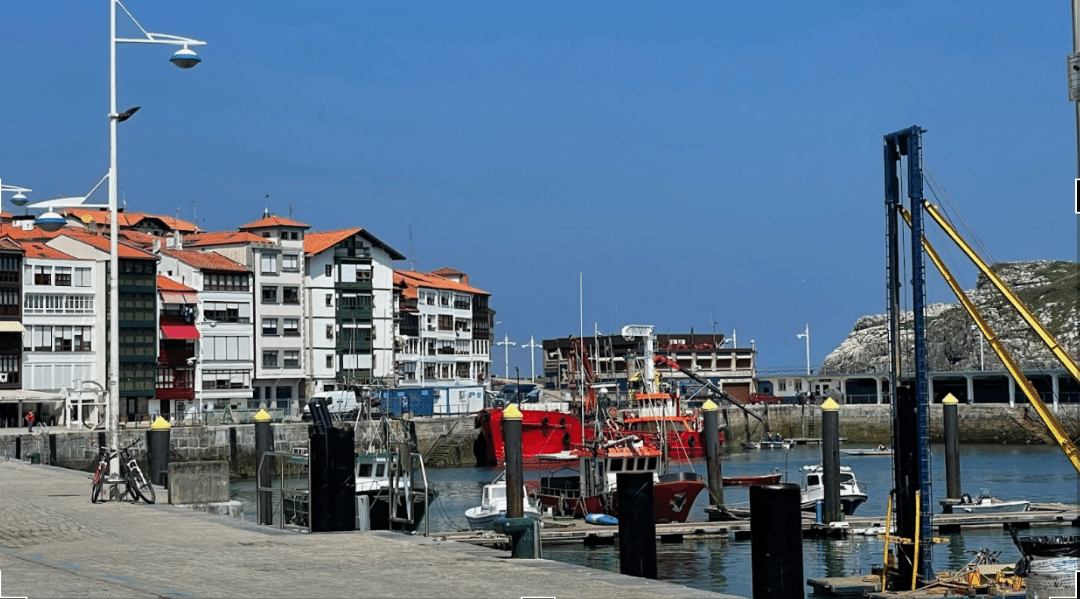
(207, 260)
(223, 238)
(101, 242)
(166, 284)
(419, 279)
(315, 243)
(36, 249)
(274, 221)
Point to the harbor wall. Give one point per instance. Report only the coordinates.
(448, 441)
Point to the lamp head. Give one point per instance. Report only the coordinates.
(185, 58)
(50, 222)
(19, 199)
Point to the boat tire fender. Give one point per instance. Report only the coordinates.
(544, 422)
(691, 441)
(965, 498)
(566, 440)
(562, 421)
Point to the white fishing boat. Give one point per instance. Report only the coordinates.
(813, 491)
(493, 505)
(985, 504)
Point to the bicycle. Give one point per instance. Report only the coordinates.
(135, 482)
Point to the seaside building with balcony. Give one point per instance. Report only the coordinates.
(348, 283)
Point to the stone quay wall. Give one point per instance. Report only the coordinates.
(448, 442)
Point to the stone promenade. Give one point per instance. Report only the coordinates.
(55, 543)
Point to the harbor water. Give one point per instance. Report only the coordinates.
(1038, 473)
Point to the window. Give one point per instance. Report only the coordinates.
(329, 331)
(329, 270)
(268, 264)
(783, 384)
(224, 282)
(290, 295)
(291, 327)
(58, 338)
(290, 263)
(227, 312)
(429, 298)
(292, 359)
(82, 277)
(269, 294)
(269, 326)
(446, 322)
(227, 379)
(329, 300)
(269, 359)
(329, 360)
(363, 275)
(43, 275)
(63, 276)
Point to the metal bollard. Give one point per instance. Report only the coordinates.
(776, 541)
(264, 442)
(637, 525)
(524, 536)
(158, 444)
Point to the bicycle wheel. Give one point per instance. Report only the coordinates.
(131, 488)
(96, 486)
(143, 487)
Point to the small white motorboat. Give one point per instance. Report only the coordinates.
(985, 504)
(813, 491)
(493, 505)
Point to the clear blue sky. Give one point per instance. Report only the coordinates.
(693, 162)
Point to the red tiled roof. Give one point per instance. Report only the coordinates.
(315, 243)
(101, 242)
(36, 249)
(139, 238)
(446, 270)
(274, 221)
(7, 243)
(207, 260)
(126, 219)
(419, 279)
(223, 238)
(166, 284)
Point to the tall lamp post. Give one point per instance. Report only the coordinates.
(532, 345)
(506, 343)
(806, 334)
(185, 58)
(19, 193)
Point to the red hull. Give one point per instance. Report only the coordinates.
(756, 479)
(683, 442)
(542, 432)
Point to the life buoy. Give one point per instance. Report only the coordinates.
(965, 498)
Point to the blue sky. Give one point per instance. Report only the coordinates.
(692, 162)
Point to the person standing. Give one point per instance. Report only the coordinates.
(30, 421)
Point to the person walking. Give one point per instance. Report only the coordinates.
(30, 421)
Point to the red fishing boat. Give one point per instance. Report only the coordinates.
(591, 489)
(678, 431)
(543, 431)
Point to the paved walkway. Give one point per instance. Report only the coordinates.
(55, 543)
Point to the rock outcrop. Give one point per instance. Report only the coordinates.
(1049, 288)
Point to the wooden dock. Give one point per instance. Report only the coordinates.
(577, 531)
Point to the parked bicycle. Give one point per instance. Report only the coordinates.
(136, 485)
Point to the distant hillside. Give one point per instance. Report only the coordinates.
(1050, 289)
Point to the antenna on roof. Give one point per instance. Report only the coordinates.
(194, 215)
(290, 210)
(412, 257)
(266, 208)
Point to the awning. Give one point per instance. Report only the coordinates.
(179, 331)
(11, 326)
(178, 297)
(25, 396)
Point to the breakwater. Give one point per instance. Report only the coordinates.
(448, 441)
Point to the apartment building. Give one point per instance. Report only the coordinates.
(445, 325)
(349, 322)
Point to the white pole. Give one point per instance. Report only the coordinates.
(807, 335)
(113, 407)
(532, 345)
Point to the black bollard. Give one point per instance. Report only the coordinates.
(711, 438)
(950, 407)
(776, 541)
(830, 460)
(515, 477)
(637, 525)
(264, 442)
(158, 447)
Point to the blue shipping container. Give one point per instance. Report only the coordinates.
(418, 402)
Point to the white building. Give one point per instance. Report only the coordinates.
(64, 317)
(224, 363)
(446, 326)
(349, 280)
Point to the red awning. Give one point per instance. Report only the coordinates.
(180, 331)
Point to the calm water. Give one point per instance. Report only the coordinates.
(1037, 473)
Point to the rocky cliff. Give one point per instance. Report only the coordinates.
(1049, 288)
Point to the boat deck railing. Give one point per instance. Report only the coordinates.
(286, 468)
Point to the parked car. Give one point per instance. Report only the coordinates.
(763, 398)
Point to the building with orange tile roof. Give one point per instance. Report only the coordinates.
(445, 326)
(350, 314)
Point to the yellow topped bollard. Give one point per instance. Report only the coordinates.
(829, 405)
(160, 423)
(158, 448)
(832, 508)
(710, 439)
(950, 400)
(709, 405)
(511, 412)
(263, 416)
(950, 417)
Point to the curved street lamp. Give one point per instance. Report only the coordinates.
(19, 198)
(185, 58)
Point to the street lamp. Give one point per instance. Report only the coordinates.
(807, 335)
(19, 197)
(506, 343)
(532, 345)
(185, 58)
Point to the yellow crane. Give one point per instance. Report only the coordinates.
(1048, 418)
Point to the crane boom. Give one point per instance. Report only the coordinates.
(707, 383)
(1048, 418)
(1025, 312)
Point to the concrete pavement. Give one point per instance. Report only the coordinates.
(55, 543)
